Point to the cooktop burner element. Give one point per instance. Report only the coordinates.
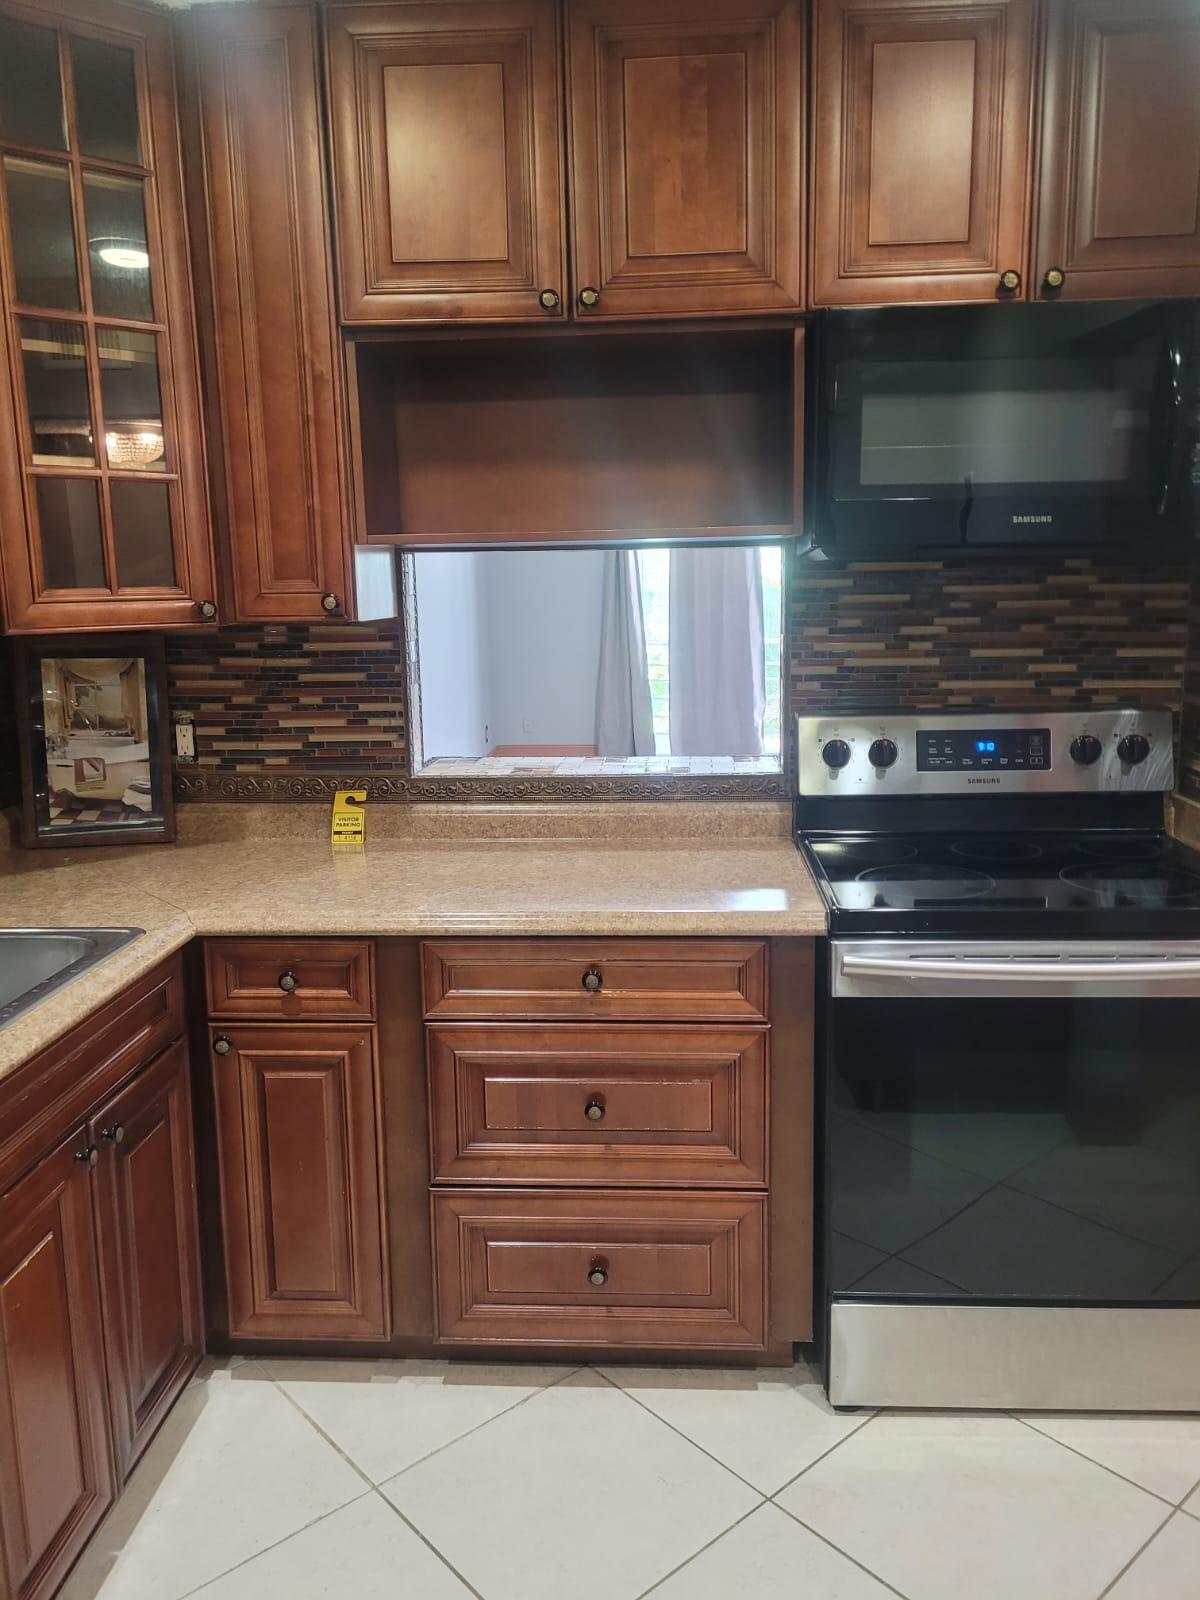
(935, 882)
(1136, 883)
(997, 849)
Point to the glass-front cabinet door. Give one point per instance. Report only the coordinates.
(105, 515)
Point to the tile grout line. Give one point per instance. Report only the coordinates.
(458, 1437)
(853, 1434)
(1136, 1556)
(274, 1545)
(854, 1560)
(427, 1542)
(696, 1554)
(1112, 1471)
(679, 1434)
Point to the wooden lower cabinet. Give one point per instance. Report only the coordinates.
(594, 1267)
(56, 1475)
(146, 1214)
(298, 1141)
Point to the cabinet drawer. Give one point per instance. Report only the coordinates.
(564, 1103)
(322, 979)
(673, 980)
(668, 1269)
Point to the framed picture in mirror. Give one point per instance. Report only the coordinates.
(93, 733)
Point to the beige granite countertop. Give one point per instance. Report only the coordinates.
(691, 882)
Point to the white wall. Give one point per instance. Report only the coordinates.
(451, 637)
(543, 644)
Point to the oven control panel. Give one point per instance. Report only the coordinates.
(1075, 752)
(982, 749)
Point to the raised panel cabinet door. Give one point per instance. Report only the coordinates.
(1119, 207)
(920, 150)
(686, 137)
(298, 1141)
(104, 514)
(447, 140)
(56, 1477)
(150, 1274)
(277, 348)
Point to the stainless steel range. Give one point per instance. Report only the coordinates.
(1011, 1033)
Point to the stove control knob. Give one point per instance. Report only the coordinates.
(835, 754)
(1133, 749)
(883, 753)
(1086, 750)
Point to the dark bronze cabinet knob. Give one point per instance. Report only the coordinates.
(598, 1274)
(222, 1045)
(289, 982)
(207, 609)
(1055, 278)
(113, 1135)
(88, 1157)
(1010, 280)
(594, 1110)
(589, 297)
(549, 300)
(593, 980)
(330, 602)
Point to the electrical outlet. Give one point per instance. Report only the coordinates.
(526, 725)
(185, 739)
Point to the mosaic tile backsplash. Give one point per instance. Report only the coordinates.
(299, 703)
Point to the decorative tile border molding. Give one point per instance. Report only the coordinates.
(191, 784)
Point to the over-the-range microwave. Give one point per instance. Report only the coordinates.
(957, 429)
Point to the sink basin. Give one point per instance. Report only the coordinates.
(36, 961)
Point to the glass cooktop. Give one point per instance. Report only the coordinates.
(1021, 872)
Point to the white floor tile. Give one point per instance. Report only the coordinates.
(234, 1469)
(387, 1414)
(943, 1506)
(766, 1426)
(580, 1493)
(1192, 1503)
(363, 1552)
(1169, 1569)
(771, 1557)
(1161, 1453)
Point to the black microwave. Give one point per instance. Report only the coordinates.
(934, 431)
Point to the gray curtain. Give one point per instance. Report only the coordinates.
(717, 671)
(624, 720)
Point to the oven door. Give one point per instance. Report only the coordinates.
(1010, 1127)
(1021, 425)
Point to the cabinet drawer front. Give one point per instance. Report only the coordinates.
(586, 1104)
(600, 1269)
(333, 978)
(684, 980)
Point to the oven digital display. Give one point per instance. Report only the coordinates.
(983, 750)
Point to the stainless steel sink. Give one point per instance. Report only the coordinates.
(36, 961)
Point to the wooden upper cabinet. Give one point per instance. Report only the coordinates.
(1119, 209)
(55, 1468)
(686, 136)
(103, 502)
(447, 140)
(277, 354)
(921, 149)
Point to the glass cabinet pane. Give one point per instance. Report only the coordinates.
(115, 211)
(54, 356)
(106, 104)
(72, 546)
(31, 100)
(141, 514)
(42, 230)
(129, 394)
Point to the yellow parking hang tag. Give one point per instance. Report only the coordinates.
(349, 824)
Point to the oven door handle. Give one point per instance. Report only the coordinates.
(1053, 970)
